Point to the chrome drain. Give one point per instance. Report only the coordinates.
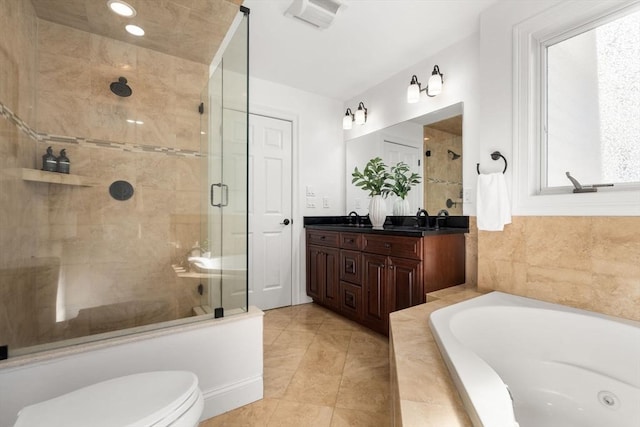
(608, 399)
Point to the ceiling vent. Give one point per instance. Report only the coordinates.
(319, 13)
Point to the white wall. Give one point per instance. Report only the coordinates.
(318, 157)
(225, 354)
(387, 104)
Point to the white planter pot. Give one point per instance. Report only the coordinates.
(377, 211)
(401, 207)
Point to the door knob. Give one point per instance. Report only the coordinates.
(285, 222)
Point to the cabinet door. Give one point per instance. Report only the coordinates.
(316, 271)
(444, 261)
(331, 289)
(405, 283)
(375, 311)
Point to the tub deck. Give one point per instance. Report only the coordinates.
(422, 391)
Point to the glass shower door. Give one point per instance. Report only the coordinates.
(224, 145)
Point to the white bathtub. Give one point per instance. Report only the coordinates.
(563, 367)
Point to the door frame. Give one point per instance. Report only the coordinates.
(298, 292)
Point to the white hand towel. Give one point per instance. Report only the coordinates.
(493, 207)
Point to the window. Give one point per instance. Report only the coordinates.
(577, 109)
(592, 125)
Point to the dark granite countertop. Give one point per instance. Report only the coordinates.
(399, 226)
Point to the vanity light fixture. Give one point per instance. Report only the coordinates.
(121, 8)
(434, 86)
(347, 120)
(360, 117)
(361, 114)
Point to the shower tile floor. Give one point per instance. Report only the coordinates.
(320, 369)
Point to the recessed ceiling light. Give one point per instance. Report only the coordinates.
(121, 8)
(135, 30)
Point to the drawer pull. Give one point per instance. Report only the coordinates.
(387, 245)
(349, 240)
(323, 237)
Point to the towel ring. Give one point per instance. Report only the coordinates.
(495, 156)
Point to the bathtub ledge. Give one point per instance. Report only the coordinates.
(423, 393)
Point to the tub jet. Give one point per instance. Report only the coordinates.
(121, 88)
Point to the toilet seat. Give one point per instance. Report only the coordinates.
(148, 399)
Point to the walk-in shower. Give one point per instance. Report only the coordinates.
(80, 259)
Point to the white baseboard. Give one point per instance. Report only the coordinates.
(223, 399)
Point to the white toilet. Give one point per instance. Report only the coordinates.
(158, 399)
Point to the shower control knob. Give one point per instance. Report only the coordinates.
(285, 222)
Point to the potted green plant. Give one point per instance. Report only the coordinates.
(402, 180)
(374, 178)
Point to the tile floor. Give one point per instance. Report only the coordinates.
(320, 369)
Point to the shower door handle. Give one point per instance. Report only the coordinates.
(224, 197)
(215, 205)
(225, 192)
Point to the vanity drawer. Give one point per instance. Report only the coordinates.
(399, 246)
(351, 301)
(351, 266)
(324, 238)
(351, 241)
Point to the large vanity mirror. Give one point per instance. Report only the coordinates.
(431, 145)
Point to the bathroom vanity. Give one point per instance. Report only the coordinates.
(365, 273)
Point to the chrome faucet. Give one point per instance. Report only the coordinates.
(420, 218)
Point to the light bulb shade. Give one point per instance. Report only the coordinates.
(413, 93)
(361, 115)
(347, 122)
(434, 87)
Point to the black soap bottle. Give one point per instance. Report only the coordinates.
(49, 161)
(63, 162)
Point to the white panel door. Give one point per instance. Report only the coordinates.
(269, 212)
(394, 152)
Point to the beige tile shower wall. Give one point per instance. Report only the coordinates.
(116, 256)
(585, 262)
(18, 216)
(76, 261)
(75, 71)
(443, 175)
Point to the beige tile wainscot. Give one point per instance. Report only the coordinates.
(422, 391)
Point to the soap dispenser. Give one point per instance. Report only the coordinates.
(63, 162)
(49, 161)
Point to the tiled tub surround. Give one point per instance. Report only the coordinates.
(584, 262)
(422, 391)
(81, 262)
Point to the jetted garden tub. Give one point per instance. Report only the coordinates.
(521, 362)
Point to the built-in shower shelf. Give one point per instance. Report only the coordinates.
(36, 175)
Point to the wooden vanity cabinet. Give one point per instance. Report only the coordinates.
(367, 276)
(392, 277)
(323, 279)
